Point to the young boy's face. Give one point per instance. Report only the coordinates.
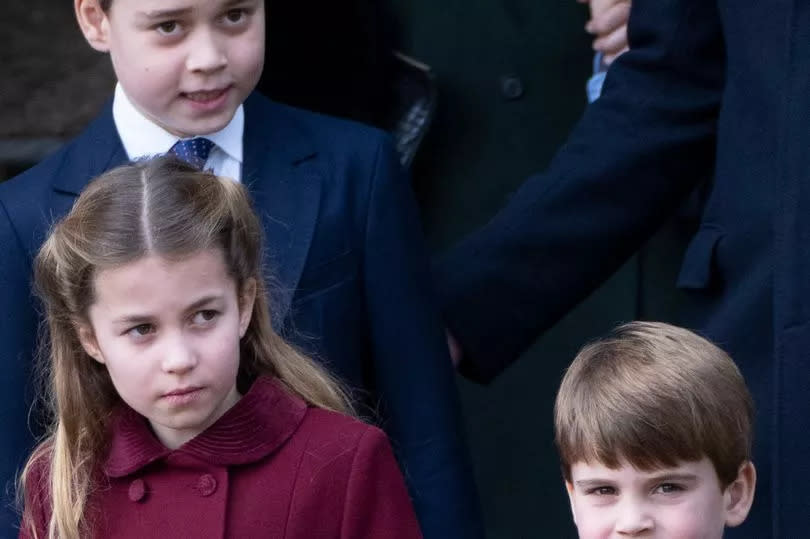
(686, 502)
(185, 64)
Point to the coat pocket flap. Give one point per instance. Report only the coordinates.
(698, 262)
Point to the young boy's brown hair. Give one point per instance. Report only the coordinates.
(653, 426)
(654, 394)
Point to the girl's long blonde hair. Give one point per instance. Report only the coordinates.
(162, 207)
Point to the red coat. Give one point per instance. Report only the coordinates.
(269, 467)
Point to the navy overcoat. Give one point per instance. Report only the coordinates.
(714, 91)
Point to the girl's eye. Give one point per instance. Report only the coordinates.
(141, 330)
(204, 317)
(167, 28)
(602, 491)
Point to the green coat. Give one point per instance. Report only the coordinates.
(511, 78)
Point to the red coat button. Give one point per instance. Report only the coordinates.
(137, 490)
(206, 485)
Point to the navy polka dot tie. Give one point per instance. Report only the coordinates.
(193, 151)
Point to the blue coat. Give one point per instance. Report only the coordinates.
(344, 245)
(711, 90)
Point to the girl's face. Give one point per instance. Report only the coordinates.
(168, 332)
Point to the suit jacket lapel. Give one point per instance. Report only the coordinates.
(286, 188)
(96, 150)
(278, 171)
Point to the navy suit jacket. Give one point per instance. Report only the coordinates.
(711, 90)
(345, 250)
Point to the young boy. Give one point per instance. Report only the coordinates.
(341, 228)
(653, 426)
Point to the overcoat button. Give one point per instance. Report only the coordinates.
(206, 485)
(137, 490)
(511, 87)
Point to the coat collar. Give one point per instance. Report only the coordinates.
(97, 149)
(278, 170)
(271, 134)
(261, 422)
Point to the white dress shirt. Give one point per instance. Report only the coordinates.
(142, 137)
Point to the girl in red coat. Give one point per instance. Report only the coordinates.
(178, 411)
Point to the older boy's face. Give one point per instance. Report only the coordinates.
(186, 64)
(686, 502)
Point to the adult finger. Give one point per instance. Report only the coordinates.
(613, 17)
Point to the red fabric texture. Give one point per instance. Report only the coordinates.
(269, 467)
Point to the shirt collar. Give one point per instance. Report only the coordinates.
(142, 137)
(261, 422)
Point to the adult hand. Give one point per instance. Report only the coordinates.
(608, 25)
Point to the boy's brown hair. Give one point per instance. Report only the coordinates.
(653, 394)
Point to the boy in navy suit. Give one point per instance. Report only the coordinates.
(341, 226)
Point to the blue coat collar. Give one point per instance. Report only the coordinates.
(279, 170)
(271, 131)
